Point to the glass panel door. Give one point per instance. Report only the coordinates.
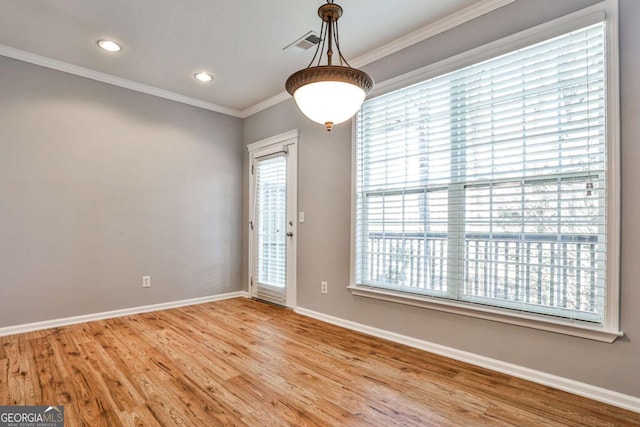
(270, 226)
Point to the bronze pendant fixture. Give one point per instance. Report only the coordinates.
(329, 94)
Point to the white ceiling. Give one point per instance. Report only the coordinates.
(239, 41)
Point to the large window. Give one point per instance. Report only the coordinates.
(488, 185)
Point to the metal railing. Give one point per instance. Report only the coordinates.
(551, 270)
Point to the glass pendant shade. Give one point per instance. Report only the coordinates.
(329, 101)
(329, 94)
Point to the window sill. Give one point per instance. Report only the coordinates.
(575, 328)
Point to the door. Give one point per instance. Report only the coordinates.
(272, 224)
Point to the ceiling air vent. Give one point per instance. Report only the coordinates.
(304, 43)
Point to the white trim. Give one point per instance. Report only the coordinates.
(287, 141)
(54, 64)
(269, 102)
(448, 22)
(354, 202)
(473, 11)
(496, 314)
(600, 394)
(556, 27)
(277, 139)
(608, 10)
(612, 310)
(56, 323)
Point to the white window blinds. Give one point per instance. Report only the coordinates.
(270, 220)
(488, 184)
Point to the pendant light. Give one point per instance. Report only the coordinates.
(329, 94)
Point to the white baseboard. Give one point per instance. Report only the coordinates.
(56, 323)
(592, 392)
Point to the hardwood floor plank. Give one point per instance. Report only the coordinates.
(580, 405)
(140, 416)
(271, 411)
(245, 363)
(4, 379)
(15, 375)
(513, 416)
(115, 386)
(48, 375)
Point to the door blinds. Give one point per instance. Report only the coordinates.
(270, 215)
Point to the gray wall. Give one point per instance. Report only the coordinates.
(101, 185)
(325, 192)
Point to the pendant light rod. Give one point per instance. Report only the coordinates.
(330, 47)
(330, 13)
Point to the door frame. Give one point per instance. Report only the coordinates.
(288, 142)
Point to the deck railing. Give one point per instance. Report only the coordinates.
(544, 269)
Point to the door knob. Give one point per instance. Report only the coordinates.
(290, 234)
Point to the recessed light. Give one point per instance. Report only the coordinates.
(109, 45)
(204, 77)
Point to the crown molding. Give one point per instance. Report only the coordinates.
(440, 26)
(54, 64)
(467, 14)
(274, 100)
(457, 18)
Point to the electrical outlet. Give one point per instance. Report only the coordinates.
(323, 287)
(146, 281)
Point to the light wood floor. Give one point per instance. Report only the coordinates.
(242, 362)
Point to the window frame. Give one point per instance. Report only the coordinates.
(609, 330)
